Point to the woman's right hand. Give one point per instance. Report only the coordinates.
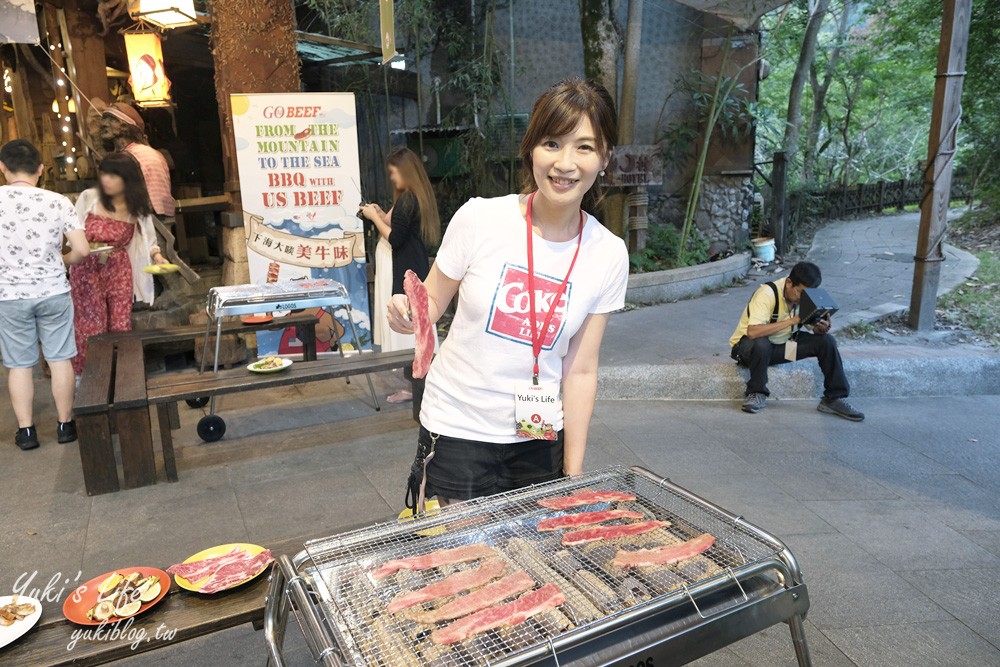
(398, 314)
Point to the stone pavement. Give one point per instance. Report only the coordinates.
(867, 267)
(680, 350)
(896, 521)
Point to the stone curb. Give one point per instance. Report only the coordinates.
(873, 378)
(686, 282)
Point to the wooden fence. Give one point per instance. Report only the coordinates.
(864, 198)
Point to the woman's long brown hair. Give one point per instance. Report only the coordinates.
(415, 180)
(136, 196)
(557, 112)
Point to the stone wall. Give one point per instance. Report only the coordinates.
(723, 215)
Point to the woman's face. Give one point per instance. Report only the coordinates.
(112, 184)
(566, 167)
(396, 178)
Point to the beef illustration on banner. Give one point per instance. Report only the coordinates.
(300, 184)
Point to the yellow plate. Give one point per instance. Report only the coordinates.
(158, 269)
(431, 507)
(221, 550)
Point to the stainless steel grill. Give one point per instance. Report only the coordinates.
(230, 300)
(280, 295)
(340, 606)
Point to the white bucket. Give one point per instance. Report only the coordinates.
(763, 248)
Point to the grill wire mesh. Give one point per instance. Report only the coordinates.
(354, 602)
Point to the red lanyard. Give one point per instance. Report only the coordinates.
(537, 337)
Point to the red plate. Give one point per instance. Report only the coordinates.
(256, 319)
(81, 600)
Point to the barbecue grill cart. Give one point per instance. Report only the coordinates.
(746, 582)
(248, 299)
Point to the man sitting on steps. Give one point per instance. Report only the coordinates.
(769, 333)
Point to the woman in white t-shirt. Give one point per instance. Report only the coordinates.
(506, 406)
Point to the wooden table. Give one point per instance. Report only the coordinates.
(184, 614)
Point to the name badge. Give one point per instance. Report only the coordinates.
(536, 408)
(791, 351)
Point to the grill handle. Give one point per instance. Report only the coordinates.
(719, 611)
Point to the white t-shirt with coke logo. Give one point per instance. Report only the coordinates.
(470, 387)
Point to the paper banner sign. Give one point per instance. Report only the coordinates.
(314, 253)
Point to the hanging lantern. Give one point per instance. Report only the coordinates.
(150, 86)
(165, 13)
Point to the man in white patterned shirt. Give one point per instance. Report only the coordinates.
(35, 303)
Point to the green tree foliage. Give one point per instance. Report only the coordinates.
(880, 58)
(871, 123)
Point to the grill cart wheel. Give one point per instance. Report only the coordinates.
(196, 403)
(211, 428)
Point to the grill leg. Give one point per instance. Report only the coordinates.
(799, 641)
(215, 368)
(204, 348)
(357, 342)
(340, 343)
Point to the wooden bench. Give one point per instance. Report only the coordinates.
(112, 398)
(189, 614)
(92, 412)
(164, 391)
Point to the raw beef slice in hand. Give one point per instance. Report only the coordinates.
(423, 330)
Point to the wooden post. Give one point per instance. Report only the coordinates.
(779, 200)
(616, 207)
(253, 43)
(24, 109)
(945, 117)
(84, 47)
(65, 138)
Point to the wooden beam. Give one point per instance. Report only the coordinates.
(945, 118)
(84, 48)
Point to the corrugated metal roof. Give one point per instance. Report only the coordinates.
(315, 50)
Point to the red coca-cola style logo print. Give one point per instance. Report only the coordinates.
(510, 315)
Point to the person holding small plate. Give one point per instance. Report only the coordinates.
(119, 225)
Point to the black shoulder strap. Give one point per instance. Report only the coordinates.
(774, 313)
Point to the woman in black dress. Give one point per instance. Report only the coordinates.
(406, 231)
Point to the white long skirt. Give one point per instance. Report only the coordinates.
(387, 339)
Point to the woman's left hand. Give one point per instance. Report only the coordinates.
(158, 258)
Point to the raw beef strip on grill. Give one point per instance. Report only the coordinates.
(584, 519)
(436, 559)
(236, 572)
(664, 555)
(423, 330)
(200, 569)
(486, 596)
(611, 532)
(585, 498)
(456, 583)
(509, 614)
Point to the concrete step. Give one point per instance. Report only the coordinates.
(873, 370)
